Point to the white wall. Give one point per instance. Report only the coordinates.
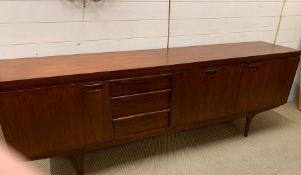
(290, 35)
(210, 22)
(55, 27)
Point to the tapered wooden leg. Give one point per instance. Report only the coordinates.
(249, 119)
(78, 162)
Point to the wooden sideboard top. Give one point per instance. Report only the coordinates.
(15, 71)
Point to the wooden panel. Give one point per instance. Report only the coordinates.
(55, 120)
(140, 84)
(205, 95)
(140, 103)
(141, 123)
(107, 64)
(266, 85)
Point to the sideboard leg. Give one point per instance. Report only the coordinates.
(78, 162)
(248, 123)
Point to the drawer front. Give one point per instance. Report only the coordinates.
(140, 84)
(141, 123)
(136, 104)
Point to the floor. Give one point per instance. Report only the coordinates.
(273, 147)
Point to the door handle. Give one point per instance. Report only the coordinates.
(254, 67)
(97, 87)
(211, 72)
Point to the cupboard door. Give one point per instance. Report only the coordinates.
(54, 120)
(267, 85)
(205, 95)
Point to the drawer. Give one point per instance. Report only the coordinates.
(140, 103)
(141, 123)
(140, 84)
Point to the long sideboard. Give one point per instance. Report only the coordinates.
(72, 105)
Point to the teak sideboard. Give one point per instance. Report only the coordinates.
(71, 105)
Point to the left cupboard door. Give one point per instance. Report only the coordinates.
(56, 120)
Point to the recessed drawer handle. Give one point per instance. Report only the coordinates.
(131, 98)
(254, 67)
(211, 72)
(138, 97)
(141, 80)
(135, 81)
(97, 87)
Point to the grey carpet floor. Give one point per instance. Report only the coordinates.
(273, 147)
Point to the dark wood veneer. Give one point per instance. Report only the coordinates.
(54, 120)
(140, 103)
(205, 94)
(141, 123)
(266, 84)
(127, 86)
(33, 71)
(71, 105)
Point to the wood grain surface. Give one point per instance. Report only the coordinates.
(15, 72)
